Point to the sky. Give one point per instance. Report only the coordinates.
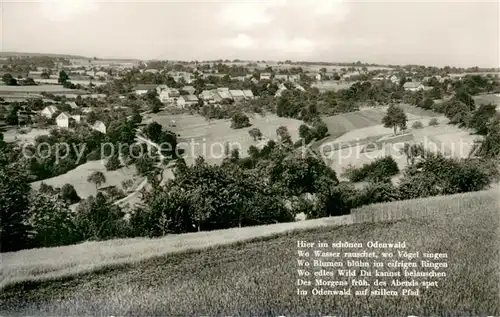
(454, 33)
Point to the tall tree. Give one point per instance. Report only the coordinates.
(97, 178)
(395, 118)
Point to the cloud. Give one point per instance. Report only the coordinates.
(242, 41)
(60, 11)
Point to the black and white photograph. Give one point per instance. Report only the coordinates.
(249, 158)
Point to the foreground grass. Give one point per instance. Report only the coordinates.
(258, 277)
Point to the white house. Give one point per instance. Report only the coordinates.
(413, 86)
(99, 126)
(318, 77)
(143, 89)
(49, 111)
(248, 94)
(237, 94)
(169, 95)
(265, 76)
(281, 88)
(63, 119)
(186, 101)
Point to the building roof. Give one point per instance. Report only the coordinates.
(237, 93)
(191, 98)
(99, 124)
(248, 93)
(412, 84)
(63, 115)
(51, 109)
(225, 94)
(145, 87)
(72, 104)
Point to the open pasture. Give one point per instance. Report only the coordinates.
(13, 135)
(78, 178)
(207, 138)
(38, 88)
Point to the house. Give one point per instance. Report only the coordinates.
(152, 71)
(255, 81)
(281, 77)
(49, 111)
(248, 94)
(189, 89)
(206, 95)
(63, 120)
(224, 93)
(237, 94)
(294, 78)
(101, 74)
(77, 118)
(413, 86)
(169, 95)
(299, 87)
(281, 88)
(99, 126)
(186, 101)
(318, 77)
(143, 89)
(265, 76)
(394, 79)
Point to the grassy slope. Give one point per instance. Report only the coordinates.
(258, 277)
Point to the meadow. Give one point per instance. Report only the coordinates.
(207, 138)
(78, 178)
(258, 277)
(36, 89)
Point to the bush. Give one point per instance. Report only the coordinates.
(69, 194)
(417, 125)
(113, 163)
(433, 122)
(240, 120)
(378, 170)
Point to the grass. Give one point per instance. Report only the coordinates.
(37, 88)
(78, 178)
(208, 138)
(13, 135)
(258, 277)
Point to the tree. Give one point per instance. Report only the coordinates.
(9, 80)
(113, 163)
(304, 131)
(97, 178)
(51, 221)
(69, 194)
(255, 134)
(63, 77)
(395, 118)
(417, 125)
(283, 134)
(433, 122)
(240, 120)
(14, 203)
(481, 117)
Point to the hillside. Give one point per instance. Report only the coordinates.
(258, 277)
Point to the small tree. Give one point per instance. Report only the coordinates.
(304, 131)
(69, 194)
(433, 122)
(395, 118)
(97, 178)
(283, 134)
(417, 125)
(240, 120)
(113, 163)
(255, 134)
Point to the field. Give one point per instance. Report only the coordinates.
(78, 178)
(37, 89)
(12, 135)
(258, 277)
(331, 85)
(488, 98)
(208, 138)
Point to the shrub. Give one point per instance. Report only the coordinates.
(417, 125)
(433, 122)
(240, 120)
(377, 170)
(69, 194)
(113, 163)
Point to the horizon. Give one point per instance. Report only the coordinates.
(455, 34)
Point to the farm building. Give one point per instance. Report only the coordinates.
(99, 126)
(248, 94)
(413, 86)
(169, 95)
(237, 94)
(143, 89)
(189, 89)
(188, 100)
(265, 76)
(63, 120)
(49, 111)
